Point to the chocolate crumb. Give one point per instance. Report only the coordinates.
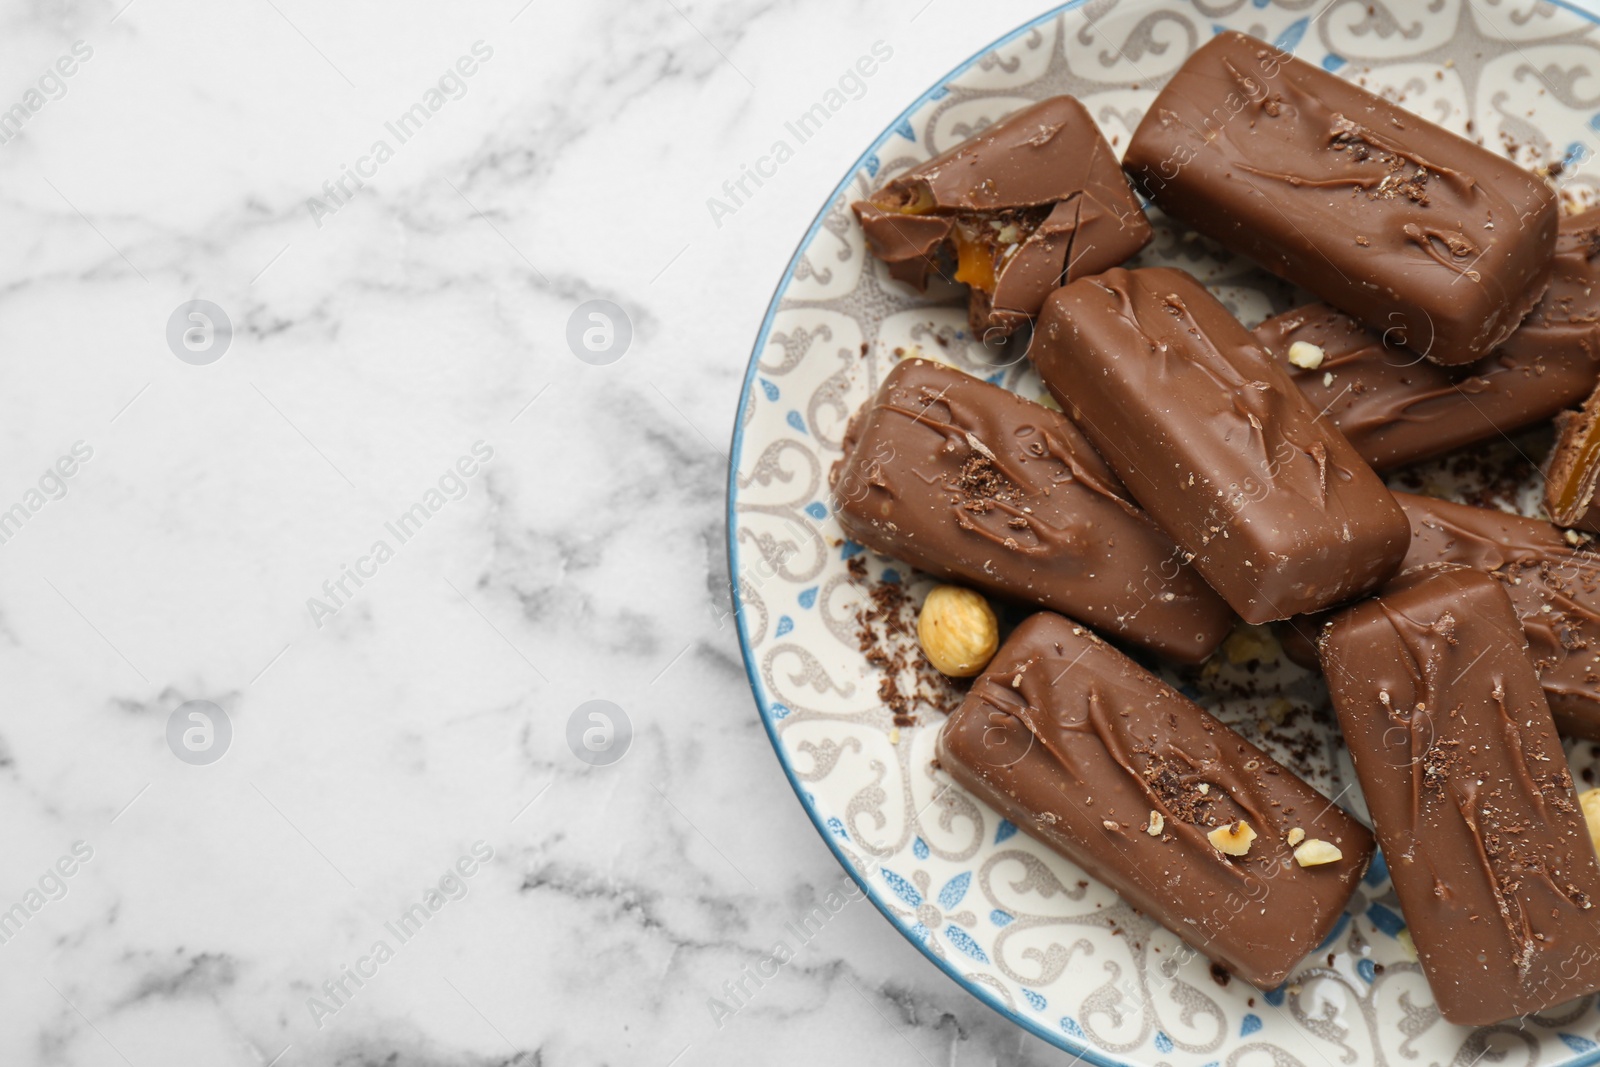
(886, 635)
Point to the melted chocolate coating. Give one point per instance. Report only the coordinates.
(1212, 438)
(1046, 169)
(972, 483)
(1553, 584)
(1470, 794)
(1397, 408)
(1384, 215)
(1078, 745)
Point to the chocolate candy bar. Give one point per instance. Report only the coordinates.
(1572, 470)
(1552, 577)
(972, 483)
(1469, 792)
(1106, 764)
(1554, 585)
(1034, 200)
(1399, 222)
(1397, 408)
(1209, 434)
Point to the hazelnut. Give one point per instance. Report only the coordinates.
(1233, 839)
(1158, 823)
(1296, 836)
(1590, 799)
(1305, 354)
(1314, 853)
(958, 631)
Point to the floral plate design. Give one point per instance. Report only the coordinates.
(1026, 931)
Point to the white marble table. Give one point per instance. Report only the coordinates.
(393, 532)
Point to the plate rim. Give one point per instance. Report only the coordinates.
(1587, 9)
(1060, 1040)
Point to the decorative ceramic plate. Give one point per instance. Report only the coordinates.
(827, 628)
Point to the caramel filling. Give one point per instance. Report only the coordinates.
(986, 241)
(982, 242)
(1567, 496)
(975, 260)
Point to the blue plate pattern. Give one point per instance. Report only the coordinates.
(1021, 928)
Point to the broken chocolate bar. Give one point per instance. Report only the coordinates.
(1469, 792)
(1397, 408)
(972, 483)
(1189, 822)
(1552, 577)
(1413, 230)
(1572, 470)
(1211, 437)
(1034, 200)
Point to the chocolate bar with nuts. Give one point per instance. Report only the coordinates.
(1397, 408)
(1035, 200)
(1553, 579)
(1404, 225)
(1145, 790)
(1469, 792)
(977, 485)
(1278, 512)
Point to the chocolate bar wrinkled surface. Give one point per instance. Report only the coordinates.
(1400, 223)
(1209, 434)
(1102, 761)
(1553, 579)
(1397, 408)
(1469, 792)
(1036, 199)
(1554, 585)
(973, 483)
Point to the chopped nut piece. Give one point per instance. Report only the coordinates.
(1108, 824)
(1204, 787)
(894, 735)
(1591, 814)
(1158, 822)
(1305, 354)
(1314, 853)
(1296, 836)
(1233, 839)
(958, 631)
(1410, 946)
